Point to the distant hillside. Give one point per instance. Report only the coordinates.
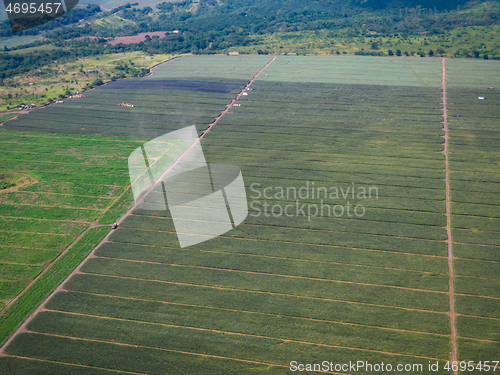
(397, 4)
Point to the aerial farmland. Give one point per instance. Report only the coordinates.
(372, 233)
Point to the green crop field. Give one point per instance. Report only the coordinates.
(475, 173)
(59, 195)
(64, 167)
(343, 256)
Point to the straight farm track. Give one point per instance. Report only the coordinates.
(345, 254)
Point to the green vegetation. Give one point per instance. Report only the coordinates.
(278, 287)
(48, 282)
(378, 282)
(474, 183)
(55, 187)
(8, 180)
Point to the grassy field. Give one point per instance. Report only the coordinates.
(277, 288)
(60, 185)
(12, 317)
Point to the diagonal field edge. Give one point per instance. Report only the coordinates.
(22, 328)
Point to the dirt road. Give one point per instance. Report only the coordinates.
(451, 290)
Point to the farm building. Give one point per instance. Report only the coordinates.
(27, 106)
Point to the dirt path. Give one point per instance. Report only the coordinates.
(451, 291)
(237, 98)
(20, 112)
(22, 328)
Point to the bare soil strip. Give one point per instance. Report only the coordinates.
(22, 328)
(451, 291)
(476, 295)
(272, 274)
(481, 317)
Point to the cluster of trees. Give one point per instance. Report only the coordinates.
(16, 64)
(212, 25)
(257, 17)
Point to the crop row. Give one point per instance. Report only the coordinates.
(303, 223)
(474, 180)
(208, 68)
(42, 226)
(48, 213)
(178, 333)
(268, 303)
(220, 263)
(45, 199)
(307, 255)
(356, 70)
(154, 361)
(269, 283)
(248, 235)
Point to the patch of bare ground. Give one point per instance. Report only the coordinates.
(136, 38)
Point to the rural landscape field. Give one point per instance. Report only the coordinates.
(397, 263)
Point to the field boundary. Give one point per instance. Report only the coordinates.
(451, 291)
(41, 307)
